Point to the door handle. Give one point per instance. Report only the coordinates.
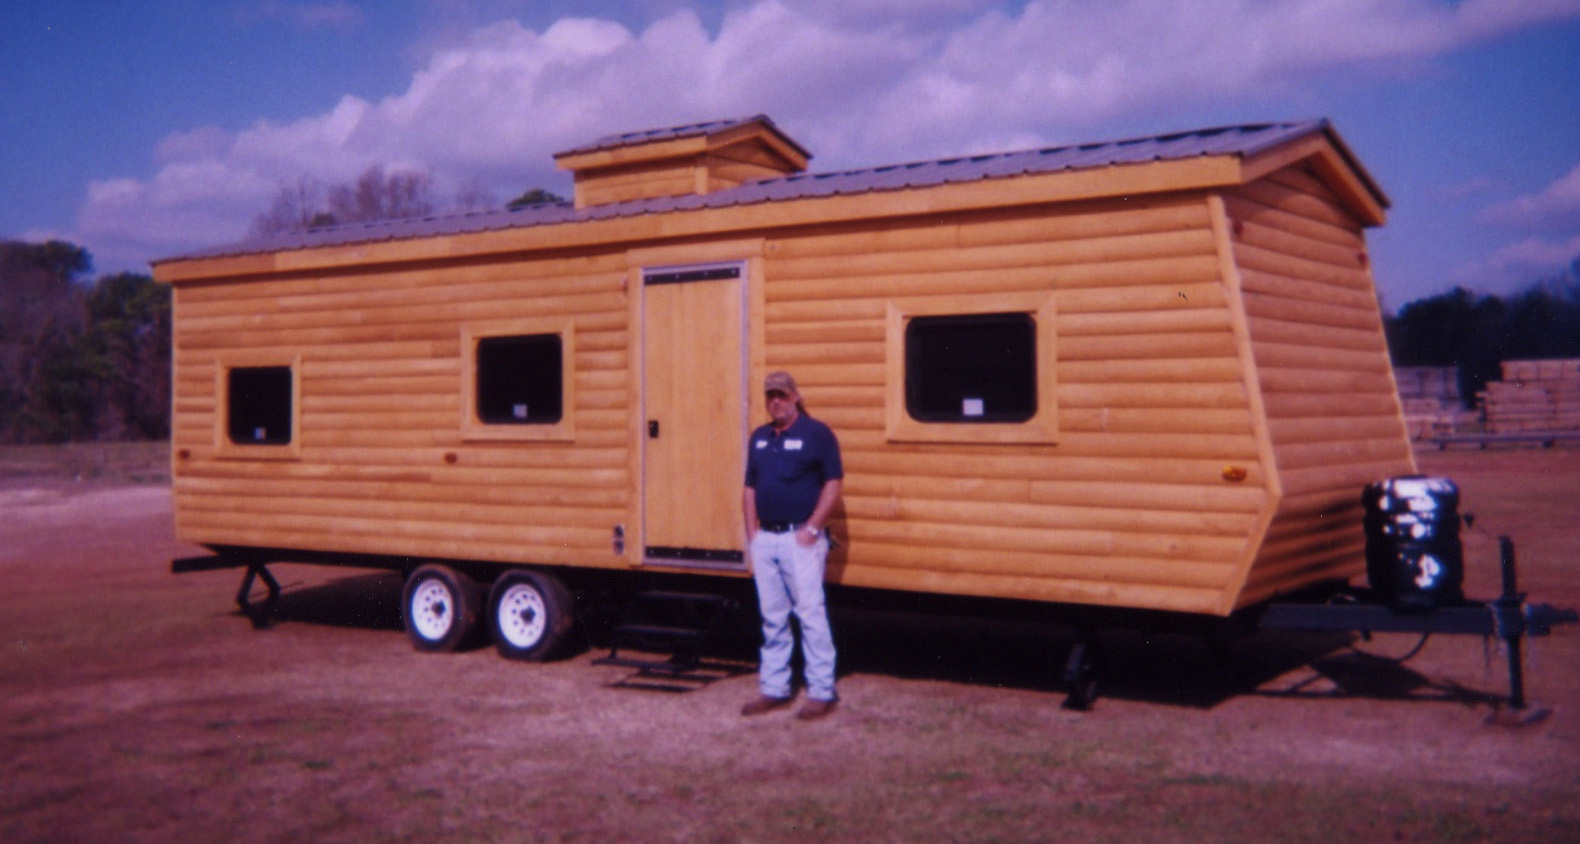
(652, 429)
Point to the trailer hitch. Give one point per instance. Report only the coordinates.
(1507, 617)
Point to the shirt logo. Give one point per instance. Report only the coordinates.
(762, 443)
(792, 445)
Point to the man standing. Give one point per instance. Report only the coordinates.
(793, 479)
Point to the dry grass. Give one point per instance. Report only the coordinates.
(139, 707)
(85, 463)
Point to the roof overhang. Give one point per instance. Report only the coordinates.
(1332, 160)
(1116, 181)
(733, 213)
(758, 129)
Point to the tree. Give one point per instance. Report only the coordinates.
(129, 344)
(377, 195)
(536, 196)
(1544, 320)
(307, 204)
(80, 361)
(41, 314)
(295, 208)
(474, 195)
(1476, 333)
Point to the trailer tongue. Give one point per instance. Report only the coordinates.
(1414, 571)
(1508, 617)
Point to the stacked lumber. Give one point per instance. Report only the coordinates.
(1437, 383)
(1534, 395)
(1429, 396)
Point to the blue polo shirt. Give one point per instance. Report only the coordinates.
(789, 469)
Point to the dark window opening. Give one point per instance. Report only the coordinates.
(520, 380)
(684, 276)
(259, 400)
(971, 368)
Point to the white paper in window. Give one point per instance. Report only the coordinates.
(519, 411)
(971, 407)
(260, 434)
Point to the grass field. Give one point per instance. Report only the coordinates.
(139, 706)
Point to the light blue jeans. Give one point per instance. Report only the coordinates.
(789, 579)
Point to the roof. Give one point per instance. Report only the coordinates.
(673, 133)
(1243, 141)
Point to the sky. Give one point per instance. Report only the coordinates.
(140, 130)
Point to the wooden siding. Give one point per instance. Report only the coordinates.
(702, 173)
(1333, 416)
(744, 162)
(638, 181)
(1220, 386)
(678, 167)
(1130, 506)
(383, 467)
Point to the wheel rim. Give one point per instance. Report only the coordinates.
(432, 609)
(522, 616)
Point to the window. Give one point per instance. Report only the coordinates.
(975, 368)
(517, 380)
(971, 369)
(259, 405)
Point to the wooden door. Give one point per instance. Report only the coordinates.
(693, 370)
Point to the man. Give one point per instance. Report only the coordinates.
(793, 479)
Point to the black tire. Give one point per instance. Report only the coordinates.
(439, 608)
(530, 613)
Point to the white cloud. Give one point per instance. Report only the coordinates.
(1514, 266)
(1555, 207)
(1068, 63)
(1551, 217)
(202, 142)
(859, 82)
(893, 14)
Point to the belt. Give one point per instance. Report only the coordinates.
(780, 527)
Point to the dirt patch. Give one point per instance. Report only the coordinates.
(139, 706)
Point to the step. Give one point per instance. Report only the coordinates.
(677, 624)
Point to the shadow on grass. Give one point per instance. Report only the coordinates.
(1357, 674)
(369, 601)
(1160, 667)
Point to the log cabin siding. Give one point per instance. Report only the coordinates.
(1129, 506)
(383, 465)
(1333, 417)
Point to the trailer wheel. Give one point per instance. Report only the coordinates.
(439, 607)
(530, 612)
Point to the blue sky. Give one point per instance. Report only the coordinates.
(140, 130)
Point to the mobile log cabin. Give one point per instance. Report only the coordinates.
(1144, 374)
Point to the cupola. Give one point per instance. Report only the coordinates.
(680, 161)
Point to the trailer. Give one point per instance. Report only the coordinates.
(1146, 374)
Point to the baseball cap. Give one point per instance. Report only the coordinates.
(780, 381)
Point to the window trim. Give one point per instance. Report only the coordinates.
(1042, 427)
(223, 445)
(475, 429)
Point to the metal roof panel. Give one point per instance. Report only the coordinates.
(1243, 141)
